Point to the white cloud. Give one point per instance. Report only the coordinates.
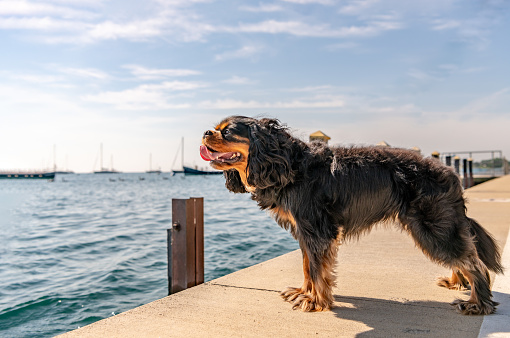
(175, 86)
(134, 30)
(242, 53)
(34, 78)
(278, 27)
(314, 89)
(298, 28)
(443, 24)
(83, 3)
(30, 79)
(238, 80)
(472, 28)
(394, 110)
(41, 24)
(440, 73)
(473, 70)
(146, 97)
(144, 73)
(262, 8)
(26, 8)
(358, 7)
(180, 3)
(134, 99)
(331, 102)
(419, 75)
(161, 96)
(495, 103)
(306, 2)
(174, 21)
(85, 72)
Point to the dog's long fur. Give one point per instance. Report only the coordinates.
(324, 195)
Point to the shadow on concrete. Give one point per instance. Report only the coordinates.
(404, 318)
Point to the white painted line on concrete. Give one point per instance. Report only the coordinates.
(498, 324)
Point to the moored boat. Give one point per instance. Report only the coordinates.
(27, 175)
(103, 170)
(106, 171)
(152, 171)
(192, 171)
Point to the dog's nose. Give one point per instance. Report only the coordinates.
(208, 133)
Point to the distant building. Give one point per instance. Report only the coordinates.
(319, 136)
(383, 144)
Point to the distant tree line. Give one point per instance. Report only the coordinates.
(498, 163)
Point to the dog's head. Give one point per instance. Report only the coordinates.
(252, 153)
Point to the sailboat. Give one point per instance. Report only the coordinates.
(150, 171)
(179, 171)
(55, 170)
(105, 170)
(195, 171)
(189, 170)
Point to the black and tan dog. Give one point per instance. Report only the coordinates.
(325, 195)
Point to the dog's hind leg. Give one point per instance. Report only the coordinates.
(456, 282)
(480, 302)
(441, 229)
(316, 292)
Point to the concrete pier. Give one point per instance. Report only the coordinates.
(386, 287)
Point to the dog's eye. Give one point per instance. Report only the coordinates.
(226, 132)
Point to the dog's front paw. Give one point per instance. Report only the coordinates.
(446, 282)
(290, 294)
(303, 300)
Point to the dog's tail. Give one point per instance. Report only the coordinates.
(486, 246)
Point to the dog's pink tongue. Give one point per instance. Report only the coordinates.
(206, 154)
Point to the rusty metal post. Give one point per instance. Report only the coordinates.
(198, 203)
(456, 164)
(470, 171)
(178, 245)
(464, 173)
(185, 244)
(169, 258)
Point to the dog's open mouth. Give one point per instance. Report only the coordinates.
(209, 154)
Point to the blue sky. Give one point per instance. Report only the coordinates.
(139, 75)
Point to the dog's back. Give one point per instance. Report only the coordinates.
(367, 185)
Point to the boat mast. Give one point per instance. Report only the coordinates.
(101, 156)
(54, 157)
(182, 153)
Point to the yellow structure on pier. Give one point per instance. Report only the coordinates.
(319, 136)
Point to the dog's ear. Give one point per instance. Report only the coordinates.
(270, 158)
(233, 181)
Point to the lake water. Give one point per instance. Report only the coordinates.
(87, 247)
